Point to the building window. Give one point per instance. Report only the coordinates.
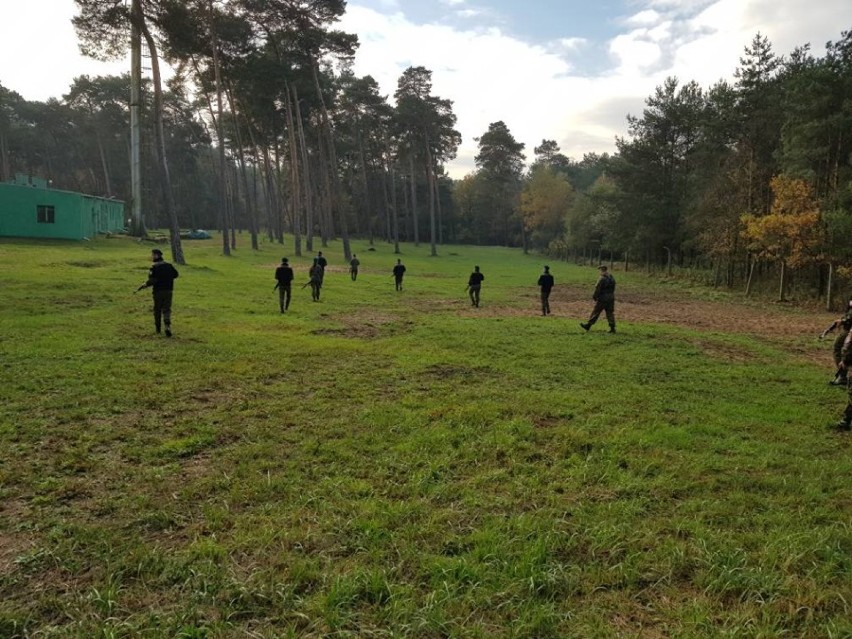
(46, 214)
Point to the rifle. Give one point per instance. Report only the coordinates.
(141, 286)
(839, 376)
(307, 283)
(833, 326)
(276, 286)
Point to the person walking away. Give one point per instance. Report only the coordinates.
(474, 285)
(284, 276)
(354, 263)
(322, 264)
(315, 274)
(545, 281)
(398, 272)
(161, 279)
(604, 297)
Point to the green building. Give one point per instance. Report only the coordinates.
(29, 209)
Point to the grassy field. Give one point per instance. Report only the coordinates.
(386, 464)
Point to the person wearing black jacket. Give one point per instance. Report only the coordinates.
(284, 277)
(604, 297)
(546, 284)
(161, 278)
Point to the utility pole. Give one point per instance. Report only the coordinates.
(137, 224)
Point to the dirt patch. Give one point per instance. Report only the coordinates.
(367, 324)
(794, 329)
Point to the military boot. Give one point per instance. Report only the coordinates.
(585, 326)
(845, 422)
(612, 328)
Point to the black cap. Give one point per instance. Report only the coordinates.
(157, 251)
(283, 260)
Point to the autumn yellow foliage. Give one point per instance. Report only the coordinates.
(792, 231)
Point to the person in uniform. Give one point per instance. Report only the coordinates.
(315, 273)
(284, 276)
(474, 286)
(161, 279)
(398, 272)
(845, 422)
(604, 297)
(842, 325)
(354, 263)
(545, 281)
(322, 264)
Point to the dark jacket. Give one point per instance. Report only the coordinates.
(545, 281)
(605, 289)
(162, 276)
(398, 271)
(475, 279)
(284, 275)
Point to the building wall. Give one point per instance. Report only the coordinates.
(28, 211)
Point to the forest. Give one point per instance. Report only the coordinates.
(263, 129)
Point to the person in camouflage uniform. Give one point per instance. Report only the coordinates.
(842, 325)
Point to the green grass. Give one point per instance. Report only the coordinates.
(388, 464)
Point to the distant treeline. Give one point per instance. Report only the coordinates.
(266, 129)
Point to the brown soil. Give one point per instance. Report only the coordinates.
(795, 329)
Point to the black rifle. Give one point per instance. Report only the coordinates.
(839, 377)
(276, 287)
(141, 286)
(833, 326)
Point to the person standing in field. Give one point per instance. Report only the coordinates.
(284, 276)
(604, 297)
(354, 263)
(161, 278)
(474, 286)
(545, 281)
(398, 272)
(315, 273)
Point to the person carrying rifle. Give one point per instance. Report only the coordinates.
(844, 324)
(284, 277)
(161, 278)
(474, 286)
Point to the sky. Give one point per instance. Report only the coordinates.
(565, 70)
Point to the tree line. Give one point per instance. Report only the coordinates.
(265, 129)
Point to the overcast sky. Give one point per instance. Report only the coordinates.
(567, 70)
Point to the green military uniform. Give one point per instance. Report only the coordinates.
(846, 359)
(284, 276)
(546, 283)
(604, 297)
